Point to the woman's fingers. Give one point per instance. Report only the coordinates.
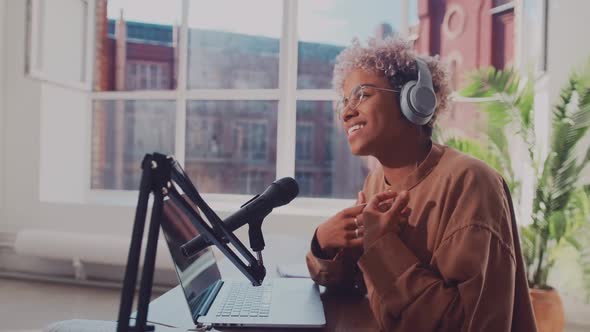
(359, 222)
(385, 205)
(352, 224)
(380, 198)
(355, 234)
(399, 204)
(406, 211)
(356, 243)
(353, 211)
(361, 198)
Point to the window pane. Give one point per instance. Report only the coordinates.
(62, 23)
(123, 131)
(324, 166)
(136, 45)
(326, 27)
(234, 49)
(231, 145)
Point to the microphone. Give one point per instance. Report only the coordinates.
(279, 193)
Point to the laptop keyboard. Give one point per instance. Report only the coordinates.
(245, 300)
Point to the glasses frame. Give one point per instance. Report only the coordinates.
(344, 102)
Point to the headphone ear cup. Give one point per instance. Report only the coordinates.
(405, 102)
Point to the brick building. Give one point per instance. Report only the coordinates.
(468, 34)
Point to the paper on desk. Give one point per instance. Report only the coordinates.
(293, 271)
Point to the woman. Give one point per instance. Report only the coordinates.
(433, 238)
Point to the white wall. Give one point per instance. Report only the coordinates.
(64, 144)
(21, 123)
(2, 141)
(569, 46)
(568, 41)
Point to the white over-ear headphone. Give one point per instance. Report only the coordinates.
(417, 98)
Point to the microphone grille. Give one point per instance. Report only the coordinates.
(289, 188)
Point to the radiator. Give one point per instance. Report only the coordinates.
(77, 257)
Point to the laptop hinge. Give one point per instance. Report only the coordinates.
(209, 300)
(203, 327)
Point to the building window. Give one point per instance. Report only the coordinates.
(203, 140)
(327, 181)
(497, 3)
(304, 180)
(254, 182)
(304, 142)
(252, 137)
(328, 145)
(147, 76)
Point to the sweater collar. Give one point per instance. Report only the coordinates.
(421, 172)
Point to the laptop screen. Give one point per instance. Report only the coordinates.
(199, 276)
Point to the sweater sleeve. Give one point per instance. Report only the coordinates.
(341, 271)
(338, 272)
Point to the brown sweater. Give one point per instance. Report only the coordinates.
(456, 266)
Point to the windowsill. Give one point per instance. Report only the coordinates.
(226, 204)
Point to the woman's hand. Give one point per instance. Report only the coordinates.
(386, 212)
(343, 230)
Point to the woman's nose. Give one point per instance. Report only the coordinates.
(348, 113)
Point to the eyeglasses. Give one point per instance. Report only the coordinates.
(357, 95)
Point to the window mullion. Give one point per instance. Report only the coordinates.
(287, 115)
(181, 87)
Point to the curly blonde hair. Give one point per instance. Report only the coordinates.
(394, 58)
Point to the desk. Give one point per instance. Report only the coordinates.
(343, 312)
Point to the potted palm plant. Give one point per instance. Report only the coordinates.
(561, 207)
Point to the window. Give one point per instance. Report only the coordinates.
(252, 139)
(304, 180)
(349, 171)
(502, 2)
(123, 131)
(327, 179)
(304, 142)
(230, 102)
(225, 138)
(136, 45)
(144, 75)
(204, 137)
(67, 22)
(328, 144)
(254, 182)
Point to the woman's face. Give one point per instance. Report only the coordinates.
(376, 126)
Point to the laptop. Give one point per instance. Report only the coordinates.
(219, 302)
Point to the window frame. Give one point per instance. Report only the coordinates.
(36, 40)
